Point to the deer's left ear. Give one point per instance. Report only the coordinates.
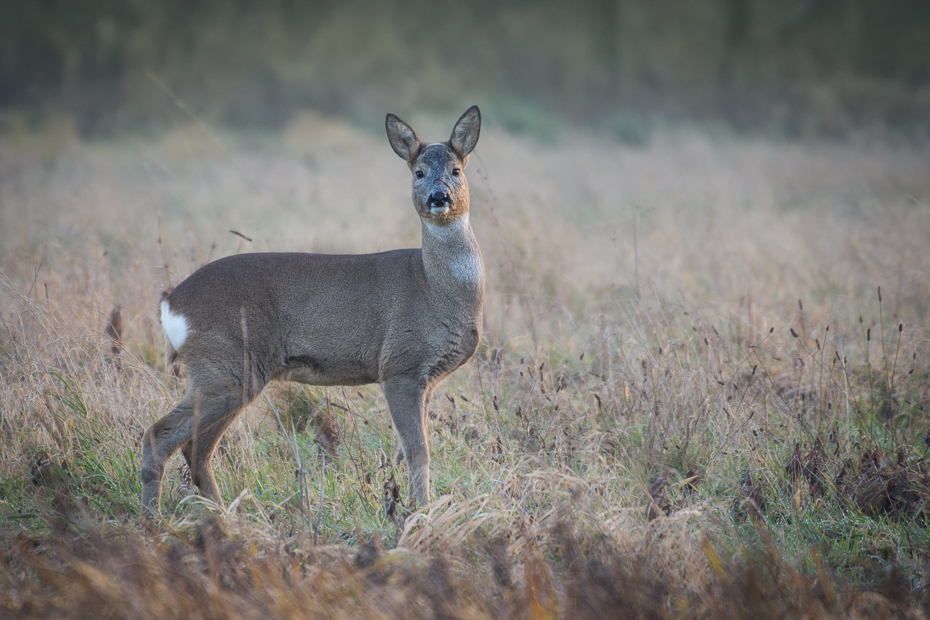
(465, 133)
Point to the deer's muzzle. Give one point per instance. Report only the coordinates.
(439, 199)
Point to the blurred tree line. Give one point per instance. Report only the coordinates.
(799, 67)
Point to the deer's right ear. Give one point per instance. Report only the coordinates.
(403, 139)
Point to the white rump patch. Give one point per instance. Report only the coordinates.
(175, 326)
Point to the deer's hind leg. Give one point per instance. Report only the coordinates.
(199, 421)
(198, 452)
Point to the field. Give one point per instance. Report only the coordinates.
(702, 389)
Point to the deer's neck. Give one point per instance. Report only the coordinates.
(452, 262)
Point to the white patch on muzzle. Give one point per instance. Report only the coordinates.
(175, 326)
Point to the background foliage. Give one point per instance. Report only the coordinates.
(804, 67)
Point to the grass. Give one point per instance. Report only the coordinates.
(692, 398)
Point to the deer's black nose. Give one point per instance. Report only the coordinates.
(439, 199)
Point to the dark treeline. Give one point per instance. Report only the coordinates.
(800, 67)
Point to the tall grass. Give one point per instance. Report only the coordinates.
(730, 419)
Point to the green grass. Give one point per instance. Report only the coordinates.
(601, 449)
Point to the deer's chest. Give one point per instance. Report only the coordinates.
(454, 349)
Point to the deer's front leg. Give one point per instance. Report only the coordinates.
(407, 400)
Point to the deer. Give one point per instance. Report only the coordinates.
(405, 319)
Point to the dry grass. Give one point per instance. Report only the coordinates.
(690, 401)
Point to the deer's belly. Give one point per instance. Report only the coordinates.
(320, 371)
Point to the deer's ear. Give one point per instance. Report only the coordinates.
(403, 139)
(465, 133)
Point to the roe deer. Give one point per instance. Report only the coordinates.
(405, 319)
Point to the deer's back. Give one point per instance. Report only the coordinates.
(317, 318)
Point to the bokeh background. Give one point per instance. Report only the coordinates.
(795, 67)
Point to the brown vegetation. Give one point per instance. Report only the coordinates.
(654, 425)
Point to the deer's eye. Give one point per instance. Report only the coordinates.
(456, 172)
(419, 174)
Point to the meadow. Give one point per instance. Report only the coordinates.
(702, 389)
